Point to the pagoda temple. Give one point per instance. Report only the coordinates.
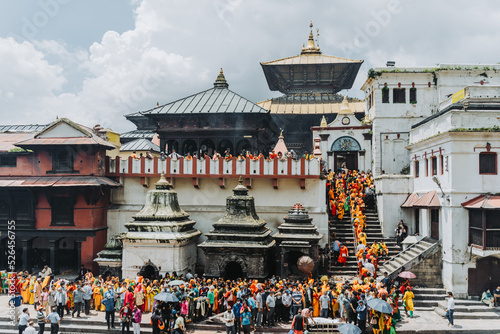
(161, 236)
(240, 243)
(310, 83)
(214, 119)
(296, 237)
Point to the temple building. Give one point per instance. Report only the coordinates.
(160, 237)
(296, 237)
(216, 119)
(310, 83)
(53, 187)
(240, 243)
(345, 142)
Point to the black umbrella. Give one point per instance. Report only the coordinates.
(349, 329)
(166, 297)
(380, 305)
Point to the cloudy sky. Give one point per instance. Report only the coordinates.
(94, 61)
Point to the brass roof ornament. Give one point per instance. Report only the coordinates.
(311, 48)
(324, 123)
(163, 183)
(221, 82)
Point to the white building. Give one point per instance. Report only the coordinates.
(346, 141)
(454, 172)
(396, 99)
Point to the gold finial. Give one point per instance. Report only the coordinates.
(57, 117)
(221, 72)
(221, 82)
(157, 104)
(344, 108)
(311, 24)
(323, 124)
(281, 135)
(311, 48)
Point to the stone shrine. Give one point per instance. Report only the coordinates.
(296, 237)
(161, 236)
(240, 243)
(109, 259)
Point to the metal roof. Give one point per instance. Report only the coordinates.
(138, 134)
(311, 59)
(310, 104)
(22, 128)
(483, 202)
(9, 139)
(57, 181)
(211, 101)
(141, 144)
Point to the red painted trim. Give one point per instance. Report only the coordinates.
(302, 183)
(248, 183)
(195, 166)
(207, 166)
(234, 166)
(143, 182)
(229, 176)
(155, 165)
(275, 168)
(130, 159)
(261, 166)
(341, 127)
(289, 166)
(221, 183)
(275, 183)
(302, 166)
(117, 165)
(221, 166)
(143, 165)
(169, 169)
(196, 182)
(247, 168)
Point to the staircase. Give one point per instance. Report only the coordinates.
(344, 230)
(412, 257)
(468, 309)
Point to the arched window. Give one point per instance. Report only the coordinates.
(346, 144)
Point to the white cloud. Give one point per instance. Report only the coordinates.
(176, 48)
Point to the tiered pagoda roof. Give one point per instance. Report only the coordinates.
(298, 229)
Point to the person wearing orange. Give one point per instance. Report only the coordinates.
(315, 302)
(344, 252)
(97, 297)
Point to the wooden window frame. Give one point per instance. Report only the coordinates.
(400, 92)
(496, 162)
(385, 94)
(442, 164)
(413, 91)
(426, 167)
(417, 169)
(434, 167)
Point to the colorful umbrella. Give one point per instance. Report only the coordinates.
(407, 274)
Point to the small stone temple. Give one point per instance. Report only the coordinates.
(161, 236)
(296, 237)
(240, 243)
(109, 259)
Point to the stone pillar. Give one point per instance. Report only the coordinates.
(54, 263)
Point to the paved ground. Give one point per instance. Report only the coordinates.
(423, 322)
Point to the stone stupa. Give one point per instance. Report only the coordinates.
(296, 237)
(240, 243)
(161, 236)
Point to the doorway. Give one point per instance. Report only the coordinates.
(484, 276)
(346, 159)
(435, 224)
(291, 260)
(233, 271)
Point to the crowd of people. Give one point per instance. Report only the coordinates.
(243, 156)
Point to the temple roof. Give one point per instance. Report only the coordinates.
(311, 71)
(310, 104)
(218, 99)
(141, 144)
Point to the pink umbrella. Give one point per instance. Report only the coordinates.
(407, 274)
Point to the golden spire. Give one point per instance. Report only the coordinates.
(323, 124)
(221, 82)
(281, 135)
(311, 48)
(344, 108)
(157, 104)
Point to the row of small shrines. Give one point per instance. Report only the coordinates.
(162, 237)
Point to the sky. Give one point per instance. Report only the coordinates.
(94, 61)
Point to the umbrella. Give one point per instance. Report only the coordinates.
(380, 305)
(407, 274)
(176, 282)
(166, 297)
(305, 264)
(349, 329)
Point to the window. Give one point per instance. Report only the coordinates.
(434, 165)
(8, 160)
(426, 167)
(413, 95)
(399, 95)
(442, 164)
(417, 168)
(62, 161)
(385, 94)
(487, 163)
(484, 228)
(62, 211)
